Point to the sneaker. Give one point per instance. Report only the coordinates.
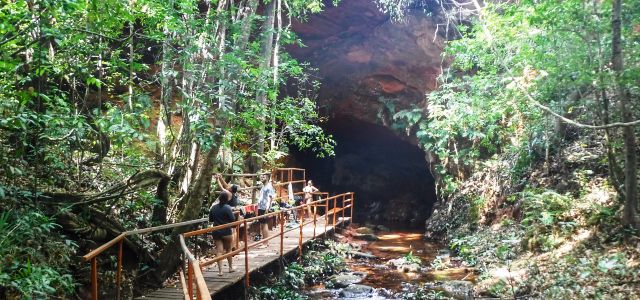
(257, 237)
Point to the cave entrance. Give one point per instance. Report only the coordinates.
(389, 176)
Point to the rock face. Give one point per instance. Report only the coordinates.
(370, 68)
(367, 62)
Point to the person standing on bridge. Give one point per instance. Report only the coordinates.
(231, 188)
(308, 195)
(234, 203)
(265, 197)
(221, 214)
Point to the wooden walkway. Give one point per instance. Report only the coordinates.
(258, 258)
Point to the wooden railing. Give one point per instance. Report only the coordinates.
(193, 264)
(331, 210)
(93, 255)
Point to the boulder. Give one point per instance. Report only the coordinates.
(364, 230)
(382, 228)
(363, 255)
(457, 289)
(356, 291)
(404, 265)
(346, 279)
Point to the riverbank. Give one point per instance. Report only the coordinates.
(371, 262)
(553, 235)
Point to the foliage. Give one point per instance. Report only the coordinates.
(555, 53)
(92, 92)
(412, 259)
(316, 266)
(34, 256)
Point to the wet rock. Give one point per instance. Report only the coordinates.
(362, 255)
(346, 279)
(404, 265)
(366, 237)
(458, 289)
(356, 291)
(364, 230)
(382, 228)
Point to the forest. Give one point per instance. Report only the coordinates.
(115, 115)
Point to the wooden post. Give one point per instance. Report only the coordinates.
(326, 213)
(344, 197)
(300, 238)
(335, 205)
(94, 278)
(281, 234)
(314, 221)
(119, 272)
(246, 254)
(190, 280)
(198, 291)
(237, 230)
(352, 206)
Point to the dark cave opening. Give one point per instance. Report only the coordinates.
(389, 176)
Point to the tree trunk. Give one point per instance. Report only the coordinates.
(630, 214)
(170, 258)
(261, 95)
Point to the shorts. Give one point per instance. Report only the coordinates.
(225, 241)
(260, 213)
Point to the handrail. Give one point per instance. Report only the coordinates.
(245, 174)
(334, 211)
(113, 241)
(194, 266)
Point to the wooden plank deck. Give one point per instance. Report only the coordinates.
(258, 258)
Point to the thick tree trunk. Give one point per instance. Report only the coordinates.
(630, 214)
(170, 258)
(261, 96)
(162, 195)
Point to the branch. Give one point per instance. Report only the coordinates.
(127, 187)
(572, 122)
(537, 103)
(59, 138)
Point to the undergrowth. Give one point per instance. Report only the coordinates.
(559, 237)
(35, 256)
(318, 263)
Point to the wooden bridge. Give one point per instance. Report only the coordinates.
(196, 279)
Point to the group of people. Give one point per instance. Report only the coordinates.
(222, 212)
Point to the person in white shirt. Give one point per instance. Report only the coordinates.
(265, 198)
(308, 195)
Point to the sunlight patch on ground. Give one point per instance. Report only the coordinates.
(403, 236)
(394, 248)
(583, 234)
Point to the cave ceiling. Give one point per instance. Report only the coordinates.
(370, 66)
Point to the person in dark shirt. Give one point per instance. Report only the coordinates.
(220, 214)
(234, 203)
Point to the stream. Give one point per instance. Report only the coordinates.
(385, 276)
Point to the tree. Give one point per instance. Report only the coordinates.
(630, 216)
(520, 75)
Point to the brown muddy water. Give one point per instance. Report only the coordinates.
(387, 281)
